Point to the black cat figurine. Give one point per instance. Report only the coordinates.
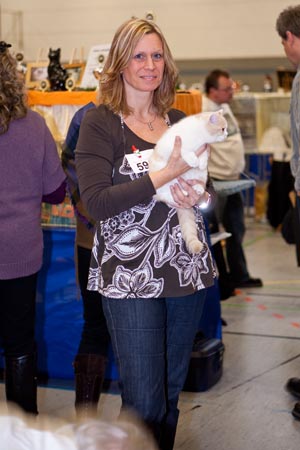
(57, 75)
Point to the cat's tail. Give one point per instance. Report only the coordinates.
(189, 230)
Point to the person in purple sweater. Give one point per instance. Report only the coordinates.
(30, 173)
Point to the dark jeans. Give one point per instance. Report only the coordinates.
(225, 283)
(17, 315)
(95, 336)
(231, 215)
(152, 342)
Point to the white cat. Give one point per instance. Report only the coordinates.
(194, 130)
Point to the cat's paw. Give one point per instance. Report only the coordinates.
(199, 189)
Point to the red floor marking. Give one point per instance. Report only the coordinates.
(262, 307)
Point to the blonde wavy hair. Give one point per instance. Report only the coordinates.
(12, 98)
(112, 91)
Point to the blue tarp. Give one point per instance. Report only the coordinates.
(59, 308)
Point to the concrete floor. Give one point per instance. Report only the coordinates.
(248, 409)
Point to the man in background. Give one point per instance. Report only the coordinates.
(226, 163)
(288, 28)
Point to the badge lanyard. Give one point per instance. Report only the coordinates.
(138, 160)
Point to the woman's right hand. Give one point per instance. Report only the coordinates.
(176, 164)
(175, 167)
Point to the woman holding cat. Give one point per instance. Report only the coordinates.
(153, 290)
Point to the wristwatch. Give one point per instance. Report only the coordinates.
(205, 205)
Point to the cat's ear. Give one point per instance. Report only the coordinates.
(214, 118)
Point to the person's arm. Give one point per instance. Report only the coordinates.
(100, 144)
(68, 151)
(53, 181)
(295, 133)
(68, 163)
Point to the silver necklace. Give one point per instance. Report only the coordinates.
(149, 123)
(166, 119)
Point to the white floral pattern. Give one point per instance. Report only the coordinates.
(135, 283)
(140, 253)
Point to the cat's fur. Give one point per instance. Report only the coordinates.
(194, 130)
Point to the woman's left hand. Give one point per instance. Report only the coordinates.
(184, 194)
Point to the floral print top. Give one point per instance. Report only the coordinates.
(138, 249)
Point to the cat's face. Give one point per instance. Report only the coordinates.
(54, 54)
(217, 126)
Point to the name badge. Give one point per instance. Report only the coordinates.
(138, 160)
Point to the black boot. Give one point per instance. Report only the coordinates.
(293, 386)
(21, 381)
(296, 411)
(89, 376)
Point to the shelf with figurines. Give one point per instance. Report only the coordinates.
(48, 74)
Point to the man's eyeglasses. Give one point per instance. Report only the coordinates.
(227, 89)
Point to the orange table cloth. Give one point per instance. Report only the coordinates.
(79, 98)
(58, 107)
(187, 101)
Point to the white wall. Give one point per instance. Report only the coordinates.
(195, 29)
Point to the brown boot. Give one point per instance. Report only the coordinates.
(89, 376)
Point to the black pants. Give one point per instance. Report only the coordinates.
(17, 315)
(280, 185)
(233, 220)
(95, 336)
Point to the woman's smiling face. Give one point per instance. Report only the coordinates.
(145, 69)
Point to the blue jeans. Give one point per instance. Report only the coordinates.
(152, 342)
(231, 215)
